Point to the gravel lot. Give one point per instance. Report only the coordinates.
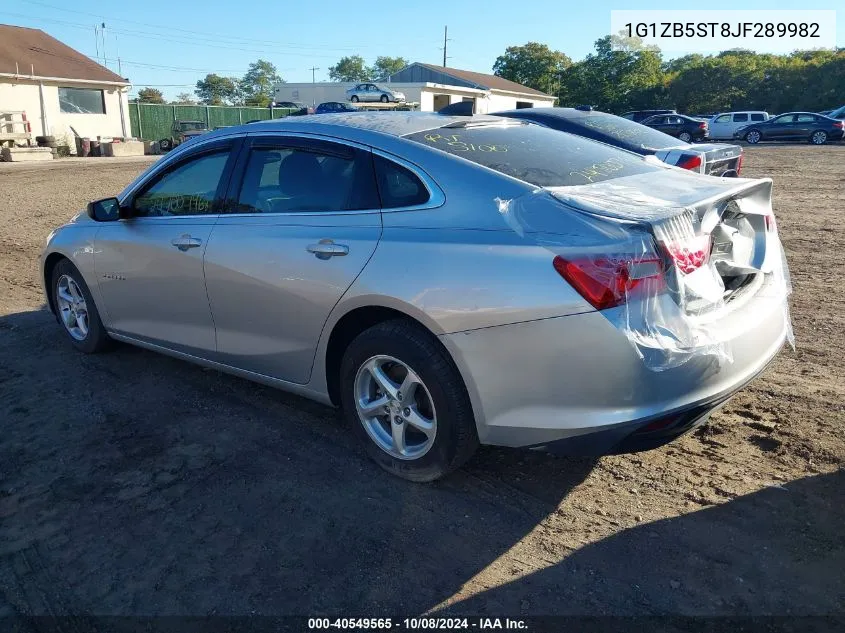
(131, 483)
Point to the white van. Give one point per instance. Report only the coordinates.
(723, 126)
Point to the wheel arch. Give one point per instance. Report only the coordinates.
(354, 320)
(50, 262)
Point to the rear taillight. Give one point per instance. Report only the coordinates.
(839, 125)
(739, 164)
(771, 224)
(693, 162)
(690, 256)
(702, 125)
(607, 281)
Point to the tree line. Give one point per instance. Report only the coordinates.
(622, 74)
(255, 88)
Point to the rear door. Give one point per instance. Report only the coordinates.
(738, 120)
(301, 221)
(150, 266)
(802, 126)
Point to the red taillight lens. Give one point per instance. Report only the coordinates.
(689, 257)
(771, 224)
(693, 162)
(739, 164)
(605, 282)
(702, 125)
(839, 124)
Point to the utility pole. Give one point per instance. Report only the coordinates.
(313, 82)
(97, 43)
(103, 35)
(445, 39)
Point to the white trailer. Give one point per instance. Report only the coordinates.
(312, 94)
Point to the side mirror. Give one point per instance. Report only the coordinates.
(105, 210)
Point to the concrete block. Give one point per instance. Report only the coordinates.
(26, 154)
(126, 148)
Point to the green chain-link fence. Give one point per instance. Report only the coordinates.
(153, 122)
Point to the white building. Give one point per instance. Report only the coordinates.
(58, 88)
(433, 87)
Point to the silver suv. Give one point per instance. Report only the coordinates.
(372, 92)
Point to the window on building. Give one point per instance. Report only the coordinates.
(524, 104)
(82, 101)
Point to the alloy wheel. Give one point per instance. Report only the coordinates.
(753, 136)
(72, 307)
(395, 407)
(819, 137)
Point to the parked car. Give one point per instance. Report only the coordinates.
(642, 115)
(334, 106)
(683, 127)
(182, 131)
(710, 159)
(374, 92)
(793, 126)
(447, 281)
(724, 124)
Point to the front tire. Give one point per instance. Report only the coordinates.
(76, 311)
(819, 137)
(354, 99)
(165, 144)
(686, 137)
(406, 400)
(753, 137)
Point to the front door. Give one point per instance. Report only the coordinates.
(306, 221)
(722, 127)
(150, 266)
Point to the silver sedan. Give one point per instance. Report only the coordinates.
(374, 92)
(447, 281)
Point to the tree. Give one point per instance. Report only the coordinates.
(184, 98)
(257, 85)
(150, 95)
(533, 65)
(386, 66)
(217, 90)
(350, 68)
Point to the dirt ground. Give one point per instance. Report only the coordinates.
(132, 483)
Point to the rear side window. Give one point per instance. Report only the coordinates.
(804, 118)
(534, 154)
(398, 186)
(741, 118)
(626, 133)
(758, 117)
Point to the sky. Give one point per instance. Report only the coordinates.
(170, 45)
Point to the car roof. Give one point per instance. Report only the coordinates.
(392, 123)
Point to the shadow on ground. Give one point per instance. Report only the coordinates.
(131, 483)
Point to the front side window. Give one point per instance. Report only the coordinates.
(785, 118)
(188, 189)
(81, 101)
(724, 118)
(290, 179)
(537, 155)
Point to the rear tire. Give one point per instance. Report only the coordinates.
(165, 144)
(437, 393)
(354, 99)
(819, 137)
(753, 137)
(75, 310)
(686, 137)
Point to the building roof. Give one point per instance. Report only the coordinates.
(464, 77)
(31, 52)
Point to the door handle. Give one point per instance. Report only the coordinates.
(185, 242)
(324, 249)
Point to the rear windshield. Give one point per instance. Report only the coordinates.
(630, 135)
(537, 155)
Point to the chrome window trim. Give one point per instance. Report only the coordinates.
(436, 197)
